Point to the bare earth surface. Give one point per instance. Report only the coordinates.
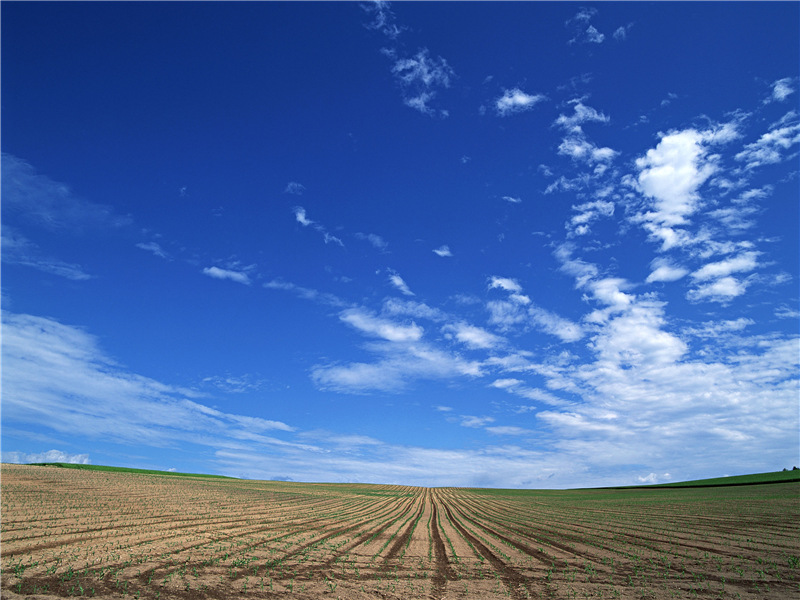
(116, 535)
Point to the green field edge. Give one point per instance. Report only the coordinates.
(126, 470)
(785, 476)
(753, 479)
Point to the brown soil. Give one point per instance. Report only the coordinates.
(72, 533)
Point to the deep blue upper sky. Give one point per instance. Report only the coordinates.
(499, 244)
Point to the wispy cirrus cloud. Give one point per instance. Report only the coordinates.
(775, 145)
(237, 276)
(373, 325)
(40, 201)
(472, 336)
(153, 247)
(46, 361)
(302, 218)
(374, 239)
(19, 250)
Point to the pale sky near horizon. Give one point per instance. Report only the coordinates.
(518, 244)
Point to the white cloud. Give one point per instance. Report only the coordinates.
(45, 361)
(237, 276)
(397, 365)
(516, 101)
(512, 199)
(295, 188)
(509, 430)
(781, 89)
(475, 422)
(420, 77)
(505, 383)
(551, 323)
(328, 238)
(747, 261)
(621, 33)
(382, 18)
(401, 285)
(41, 201)
(19, 250)
(374, 239)
(578, 148)
(300, 215)
(383, 328)
(504, 283)
(773, 146)
(153, 247)
(51, 456)
(473, 337)
(581, 114)
(410, 308)
(722, 290)
(664, 270)
(671, 174)
(583, 32)
(588, 212)
(443, 251)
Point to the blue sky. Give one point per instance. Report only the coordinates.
(477, 244)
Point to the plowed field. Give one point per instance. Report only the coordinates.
(112, 535)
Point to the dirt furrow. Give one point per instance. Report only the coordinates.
(444, 572)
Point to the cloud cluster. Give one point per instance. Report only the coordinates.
(516, 101)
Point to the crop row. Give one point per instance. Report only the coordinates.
(120, 535)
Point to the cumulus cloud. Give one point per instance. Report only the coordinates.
(670, 177)
(515, 101)
(443, 251)
(237, 276)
